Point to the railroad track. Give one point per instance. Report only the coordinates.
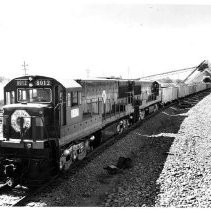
(30, 193)
(21, 196)
(9, 197)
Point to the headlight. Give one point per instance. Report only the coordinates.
(28, 145)
(30, 84)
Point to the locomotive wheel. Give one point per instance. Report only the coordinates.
(67, 166)
(119, 128)
(82, 155)
(155, 108)
(141, 115)
(11, 183)
(125, 124)
(88, 146)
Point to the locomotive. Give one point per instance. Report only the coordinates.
(50, 124)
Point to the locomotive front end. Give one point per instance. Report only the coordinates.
(28, 146)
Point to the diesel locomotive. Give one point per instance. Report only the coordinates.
(50, 124)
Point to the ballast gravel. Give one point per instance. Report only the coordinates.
(171, 154)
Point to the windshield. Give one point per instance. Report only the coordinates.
(34, 95)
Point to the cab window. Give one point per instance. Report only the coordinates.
(61, 96)
(10, 97)
(79, 97)
(7, 97)
(75, 98)
(34, 95)
(69, 99)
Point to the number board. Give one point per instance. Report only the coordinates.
(38, 82)
(43, 82)
(22, 83)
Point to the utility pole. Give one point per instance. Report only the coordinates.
(25, 68)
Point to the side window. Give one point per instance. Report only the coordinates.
(68, 99)
(22, 95)
(12, 97)
(34, 93)
(8, 98)
(79, 98)
(74, 98)
(61, 96)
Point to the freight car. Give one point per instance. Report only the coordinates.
(48, 125)
(171, 92)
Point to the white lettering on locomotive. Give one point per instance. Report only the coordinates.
(74, 113)
(18, 114)
(43, 83)
(22, 83)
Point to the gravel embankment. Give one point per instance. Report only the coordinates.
(186, 178)
(171, 156)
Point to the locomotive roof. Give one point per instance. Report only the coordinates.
(73, 84)
(166, 85)
(67, 83)
(114, 79)
(146, 82)
(70, 84)
(96, 79)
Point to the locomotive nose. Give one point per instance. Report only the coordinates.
(25, 122)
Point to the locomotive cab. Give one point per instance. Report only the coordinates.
(34, 110)
(29, 111)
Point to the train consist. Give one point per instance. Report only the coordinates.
(48, 125)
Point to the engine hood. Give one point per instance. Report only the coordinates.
(33, 115)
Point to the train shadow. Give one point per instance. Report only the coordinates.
(153, 154)
(150, 159)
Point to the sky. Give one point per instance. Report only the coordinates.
(76, 39)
